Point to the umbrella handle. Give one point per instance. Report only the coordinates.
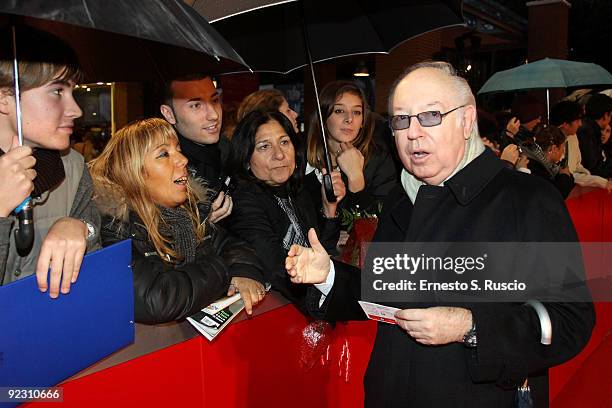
(329, 188)
(327, 181)
(545, 322)
(24, 233)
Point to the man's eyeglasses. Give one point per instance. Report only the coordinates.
(426, 119)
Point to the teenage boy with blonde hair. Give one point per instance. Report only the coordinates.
(66, 223)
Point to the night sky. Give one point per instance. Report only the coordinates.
(590, 29)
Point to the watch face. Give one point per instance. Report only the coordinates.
(91, 231)
(470, 341)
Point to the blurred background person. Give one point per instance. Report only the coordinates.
(526, 120)
(267, 100)
(567, 116)
(598, 112)
(553, 168)
(607, 144)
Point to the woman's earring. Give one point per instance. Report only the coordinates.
(248, 167)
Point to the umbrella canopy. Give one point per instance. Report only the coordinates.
(269, 36)
(118, 40)
(545, 74)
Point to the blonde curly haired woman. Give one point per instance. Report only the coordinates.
(180, 263)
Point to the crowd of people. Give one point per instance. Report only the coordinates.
(211, 215)
(573, 148)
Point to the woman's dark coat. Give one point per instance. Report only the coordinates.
(164, 292)
(484, 202)
(259, 220)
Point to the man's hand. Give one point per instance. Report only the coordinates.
(513, 126)
(220, 208)
(62, 250)
(308, 265)
(351, 161)
(16, 175)
(510, 154)
(251, 291)
(435, 325)
(609, 186)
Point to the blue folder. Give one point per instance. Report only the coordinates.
(43, 341)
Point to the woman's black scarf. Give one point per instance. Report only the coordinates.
(296, 233)
(176, 223)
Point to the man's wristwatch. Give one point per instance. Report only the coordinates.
(469, 339)
(91, 231)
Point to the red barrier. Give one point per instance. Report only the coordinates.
(591, 211)
(257, 362)
(254, 363)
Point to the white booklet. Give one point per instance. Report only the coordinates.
(213, 318)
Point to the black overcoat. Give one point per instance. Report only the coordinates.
(258, 219)
(165, 292)
(484, 202)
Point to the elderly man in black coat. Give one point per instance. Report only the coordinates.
(453, 190)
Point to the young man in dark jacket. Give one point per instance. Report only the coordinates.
(193, 105)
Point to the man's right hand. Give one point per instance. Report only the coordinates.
(308, 265)
(510, 154)
(221, 207)
(609, 186)
(16, 175)
(513, 126)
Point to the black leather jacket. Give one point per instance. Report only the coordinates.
(164, 291)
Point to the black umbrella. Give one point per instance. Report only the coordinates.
(268, 34)
(280, 36)
(120, 41)
(129, 40)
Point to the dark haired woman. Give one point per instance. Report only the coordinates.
(271, 211)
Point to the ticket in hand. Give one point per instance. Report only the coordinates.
(378, 312)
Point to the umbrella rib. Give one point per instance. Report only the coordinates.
(562, 71)
(186, 31)
(374, 28)
(251, 10)
(91, 21)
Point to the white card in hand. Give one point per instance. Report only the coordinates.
(380, 313)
